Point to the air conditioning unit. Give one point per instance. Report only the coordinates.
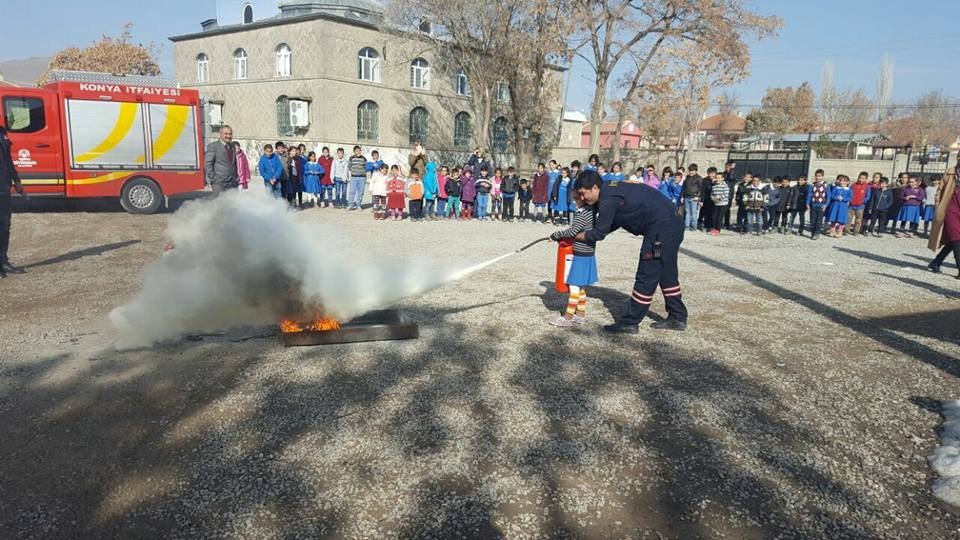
(299, 113)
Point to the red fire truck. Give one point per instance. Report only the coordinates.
(98, 135)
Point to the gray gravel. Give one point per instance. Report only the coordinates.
(802, 402)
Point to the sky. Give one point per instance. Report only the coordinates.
(919, 36)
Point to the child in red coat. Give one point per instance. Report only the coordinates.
(395, 193)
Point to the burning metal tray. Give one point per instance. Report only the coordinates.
(385, 325)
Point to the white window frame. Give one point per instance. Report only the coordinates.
(216, 119)
(239, 65)
(368, 65)
(420, 74)
(463, 83)
(203, 68)
(284, 60)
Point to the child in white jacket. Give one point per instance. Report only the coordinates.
(378, 189)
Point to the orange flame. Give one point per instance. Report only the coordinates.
(319, 324)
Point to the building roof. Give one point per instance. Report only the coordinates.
(722, 122)
(574, 116)
(349, 16)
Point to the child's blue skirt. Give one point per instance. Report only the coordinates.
(910, 214)
(583, 271)
(311, 184)
(928, 212)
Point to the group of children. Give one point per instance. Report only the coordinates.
(863, 207)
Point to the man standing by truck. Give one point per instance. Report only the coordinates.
(8, 179)
(221, 162)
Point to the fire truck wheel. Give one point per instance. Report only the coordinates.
(141, 196)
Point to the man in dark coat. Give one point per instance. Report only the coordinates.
(641, 211)
(8, 179)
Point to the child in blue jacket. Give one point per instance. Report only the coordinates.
(672, 190)
(271, 170)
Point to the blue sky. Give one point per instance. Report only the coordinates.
(919, 36)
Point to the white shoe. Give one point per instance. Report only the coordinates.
(562, 322)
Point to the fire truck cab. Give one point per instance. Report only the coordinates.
(98, 135)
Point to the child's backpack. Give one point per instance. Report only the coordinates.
(416, 191)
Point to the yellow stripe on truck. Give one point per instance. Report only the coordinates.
(170, 134)
(128, 113)
(100, 179)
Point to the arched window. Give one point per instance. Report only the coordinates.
(463, 85)
(462, 130)
(203, 68)
(368, 121)
(500, 135)
(368, 63)
(247, 14)
(284, 126)
(239, 64)
(419, 122)
(419, 74)
(284, 57)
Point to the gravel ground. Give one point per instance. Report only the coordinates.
(802, 402)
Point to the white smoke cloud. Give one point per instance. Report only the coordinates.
(242, 259)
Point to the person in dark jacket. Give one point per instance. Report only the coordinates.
(9, 179)
(741, 190)
(897, 199)
(692, 190)
(770, 213)
(788, 201)
(705, 221)
(730, 178)
(879, 205)
(800, 208)
(640, 211)
(525, 194)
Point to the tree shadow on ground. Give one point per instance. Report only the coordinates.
(615, 302)
(227, 437)
(935, 289)
(708, 444)
(81, 253)
(946, 363)
(926, 260)
(899, 263)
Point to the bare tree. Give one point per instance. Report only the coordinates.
(828, 95)
(508, 48)
(854, 112)
(884, 88)
(616, 29)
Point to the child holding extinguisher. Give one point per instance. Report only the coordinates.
(583, 268)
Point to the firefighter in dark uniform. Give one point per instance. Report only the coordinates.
(640, 210)
(8, 179)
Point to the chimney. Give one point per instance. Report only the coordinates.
(209, 24)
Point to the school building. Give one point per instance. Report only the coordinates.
(332, 73)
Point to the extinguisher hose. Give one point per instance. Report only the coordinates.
(531, 244)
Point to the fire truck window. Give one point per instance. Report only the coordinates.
(23, 114)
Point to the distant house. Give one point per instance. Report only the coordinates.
(631, 135)
(720, 131)
(571, 129)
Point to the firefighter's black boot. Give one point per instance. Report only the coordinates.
(622, 328)
(669, 324)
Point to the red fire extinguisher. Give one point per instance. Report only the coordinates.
(564, 260)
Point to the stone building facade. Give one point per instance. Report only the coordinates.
(352, 81)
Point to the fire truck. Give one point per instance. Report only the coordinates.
(98, 135)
